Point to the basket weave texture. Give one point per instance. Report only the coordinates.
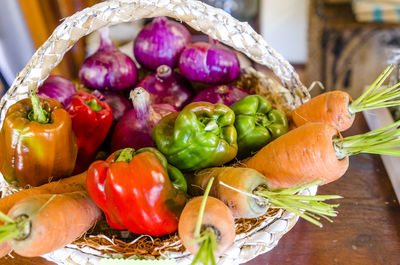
(212, 21)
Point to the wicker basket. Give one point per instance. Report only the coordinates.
(219, 25)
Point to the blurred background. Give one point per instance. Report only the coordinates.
(342, 43)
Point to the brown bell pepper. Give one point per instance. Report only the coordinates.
(37, 142)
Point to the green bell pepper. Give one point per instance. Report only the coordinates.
(257, 124)
(201, 135)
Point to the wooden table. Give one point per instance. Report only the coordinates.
(367, 230)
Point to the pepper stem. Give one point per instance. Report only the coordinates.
(126, 155)
(311, 208)
(262, 120)
(211, 125)
(93, 105)
(38, 114)
(207, 236)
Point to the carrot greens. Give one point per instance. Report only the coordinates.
(382, 141)
(377, 96)
(206, 237)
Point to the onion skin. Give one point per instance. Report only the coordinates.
(167, 86)
(161, 43)
(210, 63)
(119, 104)
(135, 128)
(59, 88)
(222, 94)
(108, 68)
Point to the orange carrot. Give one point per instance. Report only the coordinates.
(330, 107)
(302, 155)
(4, 249)
(338, 109)
(318, 151)
(43, 223)
(247, 194)
(74, 183)
(208, 221)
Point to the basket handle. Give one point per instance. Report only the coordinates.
(212, 21)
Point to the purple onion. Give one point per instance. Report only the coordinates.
(160, 43)
(59, 88)
(135, 128)
(119, 105)
(167, 86)
(221, 94)
(210, 63)
(108, 68)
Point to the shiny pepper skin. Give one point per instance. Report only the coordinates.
(140, 192)
(33, 153)
(201, 135)
(257, 124)
(91, 121)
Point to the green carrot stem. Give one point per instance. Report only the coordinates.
(376, 96)
(298, 212)
(307, 207)
(4, 218)
(20, 227)
(324, 209)
(202, 208)
(296, 188)
(374, 85)
(315, 198)
(207, 236)
(38, 114)
(384, 141)
(205, 254)
(14, 228)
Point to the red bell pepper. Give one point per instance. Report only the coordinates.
(91, 121)
(138, 191)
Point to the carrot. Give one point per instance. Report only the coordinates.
(247, 193)
(338, 109)
(74, 183)
(208, 221)
(318, 151)
(4, 249)
(330, 107)
(43, 223)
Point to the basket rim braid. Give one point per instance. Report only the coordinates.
(217, 24)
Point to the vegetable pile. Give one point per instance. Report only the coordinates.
(160, 155)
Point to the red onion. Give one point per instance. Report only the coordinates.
(221, 94)
(167, 86)
(59, 88)
(209, 63)
(108, 68)
(161, 42)
(135, 128)
(119, 104)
